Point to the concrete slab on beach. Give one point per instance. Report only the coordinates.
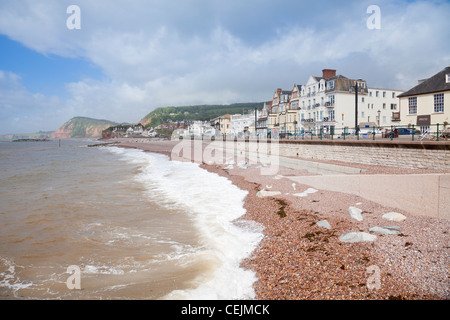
(418, 194)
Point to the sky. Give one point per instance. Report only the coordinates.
(130, 57)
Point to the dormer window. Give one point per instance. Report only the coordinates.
(330, 84)
(447, 78)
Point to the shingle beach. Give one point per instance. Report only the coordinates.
(304, 255)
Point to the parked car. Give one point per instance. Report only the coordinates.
(286, 135)
(407, 131)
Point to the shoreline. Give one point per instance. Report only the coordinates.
(298, 260)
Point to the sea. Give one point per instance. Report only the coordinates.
(85, 222)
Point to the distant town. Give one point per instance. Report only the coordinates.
(329, 104)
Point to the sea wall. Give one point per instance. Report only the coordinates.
(402, 155)
(375, 155)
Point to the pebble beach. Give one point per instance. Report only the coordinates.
(303, 256)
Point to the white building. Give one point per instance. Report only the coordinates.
(200, 129)
(380, 107)
(240, 123)
(328, 104)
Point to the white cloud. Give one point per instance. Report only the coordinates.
(157, 53)
(35, 109)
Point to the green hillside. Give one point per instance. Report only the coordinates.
(196, 112)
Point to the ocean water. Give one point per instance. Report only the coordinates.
(135, 224)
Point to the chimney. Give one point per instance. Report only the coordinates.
(328, 73)
(279, 91)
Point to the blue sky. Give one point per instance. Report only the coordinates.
(130, 57)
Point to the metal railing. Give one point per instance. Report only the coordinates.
(434, 132)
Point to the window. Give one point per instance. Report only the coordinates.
(439, 102)
(331, 100)
(412, 103)
(331, 85)
(384, 105)
(362, 114)
(393, 106)
(331, 115)
(362, 99)
(321, 115)
(376, 94)
(384, 94)
(447, 78)
(384, 119)
(393, 95)
(370, 93)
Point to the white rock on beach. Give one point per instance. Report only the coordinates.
(357, 237)
(386, 230)
(394, 216)
(323, 224)
(264, 193)
(355, 213)
(305, 193)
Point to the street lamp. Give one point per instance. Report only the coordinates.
(356, 106)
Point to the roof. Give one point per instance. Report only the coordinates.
(435, 83)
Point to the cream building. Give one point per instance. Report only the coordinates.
(222, 124)
(428, 103)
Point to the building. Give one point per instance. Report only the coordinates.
(428, 103)
(380, 108)
(291, 121)
(222, 124)
(261, 125)
(328, 104)
(240, 123)
(276, 120)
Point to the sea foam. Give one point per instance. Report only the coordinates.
(213, 203)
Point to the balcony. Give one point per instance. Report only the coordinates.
(329, 104)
